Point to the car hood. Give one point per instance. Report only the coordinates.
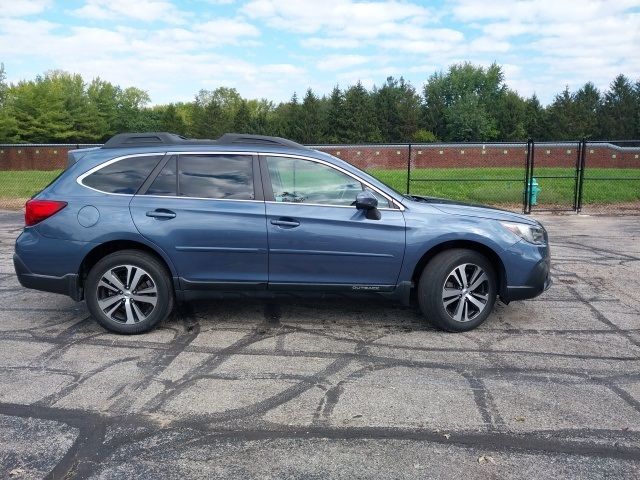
(454, 207)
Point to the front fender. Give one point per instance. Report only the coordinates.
(426, 232)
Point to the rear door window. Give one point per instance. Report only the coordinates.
(216, 176)
(123, 176)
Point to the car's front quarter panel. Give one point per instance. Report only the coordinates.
(427, 228)
(524, 264)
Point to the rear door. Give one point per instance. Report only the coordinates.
(207, 212)
(318, 239)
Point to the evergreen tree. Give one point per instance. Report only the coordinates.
(510, 116)
(562, 121)
(334, 122)
(360, 116)
(171, 120)
(205, 116)
(587, 104)
(398, 110)
(618, 115)
(292, 121)
(310, 119)
(409, 110)
(242, 118)
(386, 100)
(534, 119)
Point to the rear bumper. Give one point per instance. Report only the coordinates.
(67, 284)
(539, 281)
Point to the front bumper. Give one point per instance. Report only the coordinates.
(538, 282)
(67, 284)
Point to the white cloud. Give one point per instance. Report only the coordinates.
(351, 19)
(139, 10)
(23, 8)
(489, 44)
(172, 64)
(556, 43)
(539, 10)
(346, 24)
(340, 62)
(299, 16)
(337, 43)
(173, 51)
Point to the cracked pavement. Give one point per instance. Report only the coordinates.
(340, 388)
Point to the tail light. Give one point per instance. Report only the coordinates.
(39, 210)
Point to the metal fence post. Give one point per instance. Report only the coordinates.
(526, 197)
(583, 160)
(408, 169)
(576, 180)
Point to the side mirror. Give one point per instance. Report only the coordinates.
(368, 202)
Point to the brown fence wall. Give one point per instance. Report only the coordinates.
(53, 157)
(457, 156)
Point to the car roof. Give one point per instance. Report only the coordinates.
(151, 139)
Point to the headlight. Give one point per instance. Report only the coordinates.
(531, 233)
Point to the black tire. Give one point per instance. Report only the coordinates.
(437, 275)
(144, 315)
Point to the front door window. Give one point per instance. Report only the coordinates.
(303, 181)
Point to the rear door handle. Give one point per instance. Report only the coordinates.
(161, 213)
(285, 222)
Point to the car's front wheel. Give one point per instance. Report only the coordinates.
(457, 290)
(129, 292)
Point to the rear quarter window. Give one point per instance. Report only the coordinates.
(123, 176)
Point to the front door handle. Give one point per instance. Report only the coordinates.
(285, 222)
(161, 213)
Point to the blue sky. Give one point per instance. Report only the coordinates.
(271, 48)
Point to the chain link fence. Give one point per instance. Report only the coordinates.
(595, 177)
(478, 173)
(25, 169)
(611, 178)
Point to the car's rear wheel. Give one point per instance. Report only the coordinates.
(457, 290)
(129, 292)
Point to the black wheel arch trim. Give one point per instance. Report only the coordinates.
(488, 252)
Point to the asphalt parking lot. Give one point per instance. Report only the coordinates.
(548, 388)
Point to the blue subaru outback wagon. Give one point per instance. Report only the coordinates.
(150, 219)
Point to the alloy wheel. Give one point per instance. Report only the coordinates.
(465, 293)
(127, 294)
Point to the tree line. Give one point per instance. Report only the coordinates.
(464, 103)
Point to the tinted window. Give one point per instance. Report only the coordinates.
(166, 181)
(304, 181)
(216, 176)
(123, 176)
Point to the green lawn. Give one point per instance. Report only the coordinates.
(510, 188)
(623, 184)
(24, 183)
